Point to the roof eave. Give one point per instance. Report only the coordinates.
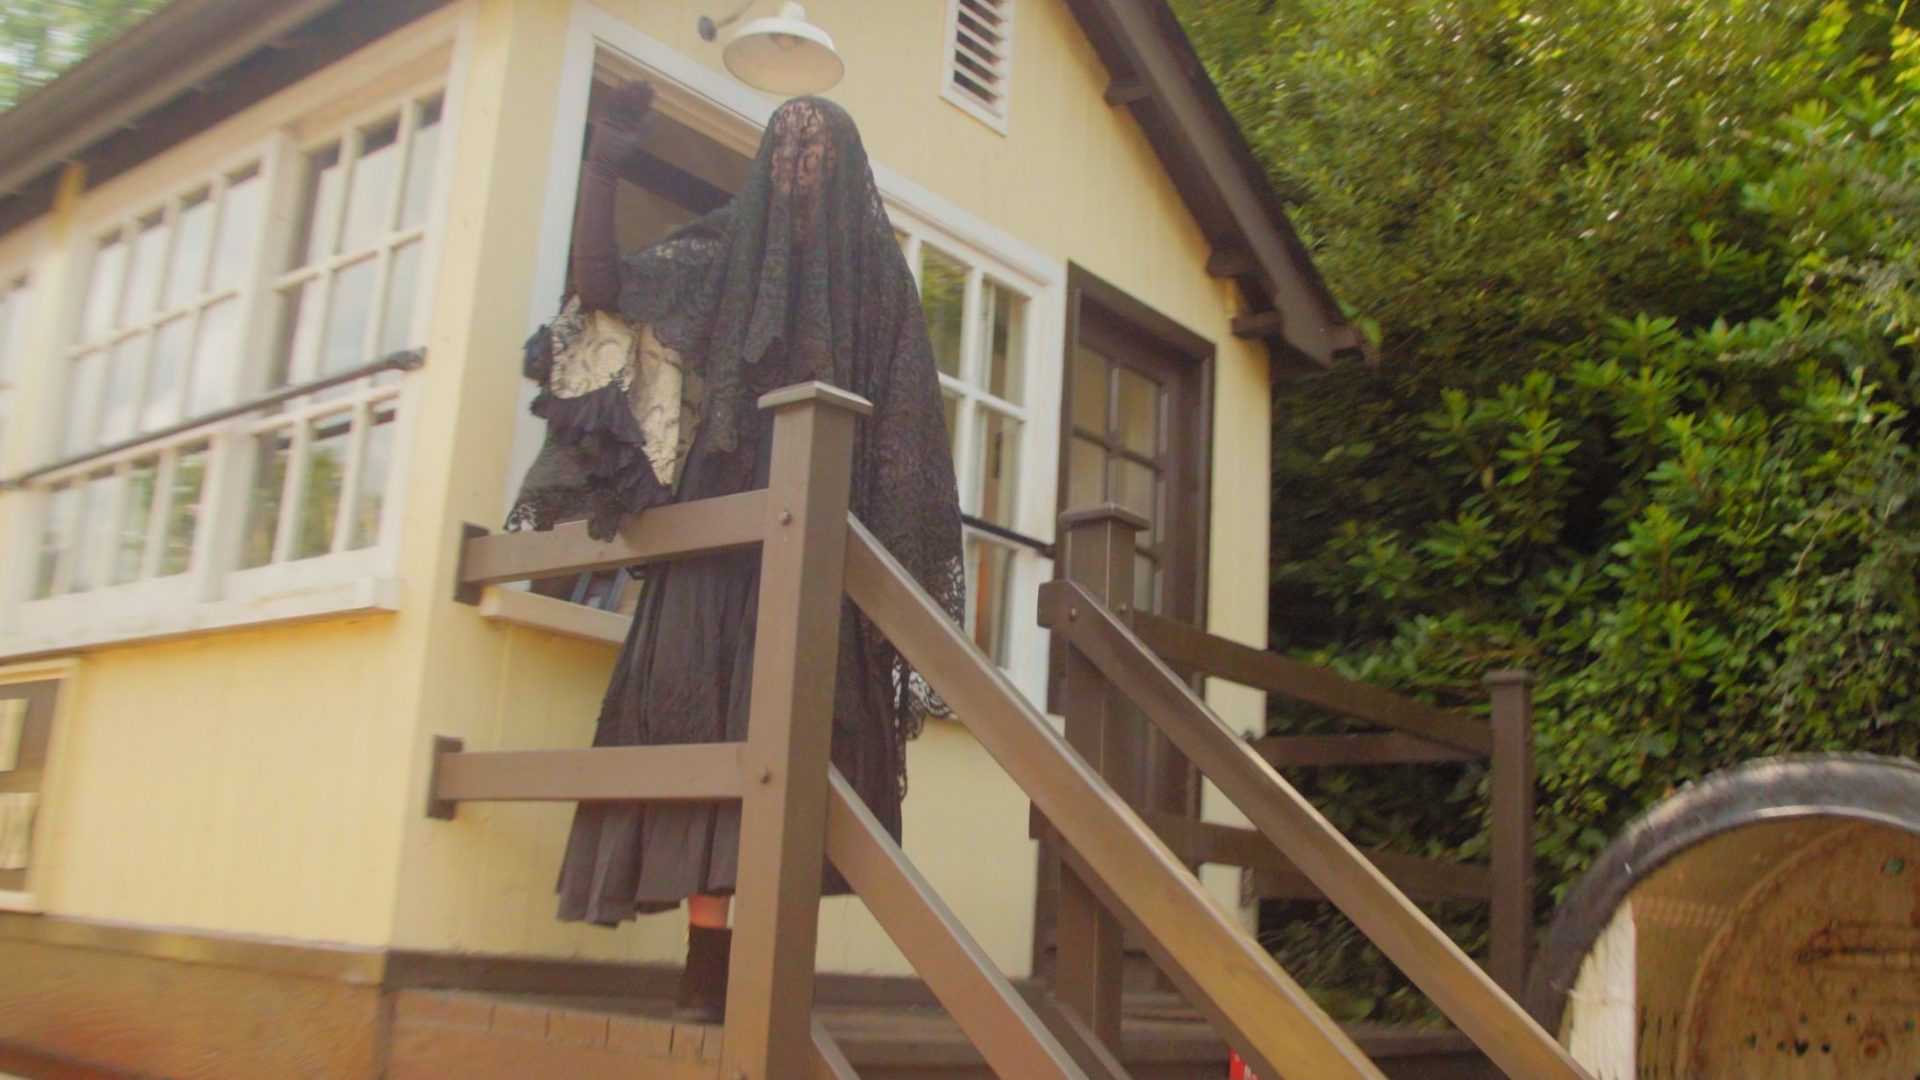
(1157, 75)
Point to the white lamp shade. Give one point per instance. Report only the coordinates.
(784, 54)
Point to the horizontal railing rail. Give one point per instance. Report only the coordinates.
(406, 360)
(1421, 734)
(1462, 991)
(1184, 646)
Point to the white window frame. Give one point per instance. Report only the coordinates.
(731, 113)
(431, 56)
(994, 116)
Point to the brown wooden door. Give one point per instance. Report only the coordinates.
(1134, 431)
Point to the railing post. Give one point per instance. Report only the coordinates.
(1510, 839)
(1088, 966)
(789, 733)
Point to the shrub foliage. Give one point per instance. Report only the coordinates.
(1643, 284)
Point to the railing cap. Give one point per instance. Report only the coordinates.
(1081, 515)
(1510, 677)
(816, 392)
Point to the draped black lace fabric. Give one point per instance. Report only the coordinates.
(798, 278)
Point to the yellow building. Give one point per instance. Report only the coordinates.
(228, 595)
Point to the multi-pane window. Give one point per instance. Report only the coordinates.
(191, 306)
(345, 298)
(157, 342)
(978, 327)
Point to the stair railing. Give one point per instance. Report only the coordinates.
(1109, 660)
(797, 810)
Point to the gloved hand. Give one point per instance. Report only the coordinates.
(614, 144)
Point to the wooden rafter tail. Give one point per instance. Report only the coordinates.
(980, 999)
(1253, 1003)
(1509, 1037)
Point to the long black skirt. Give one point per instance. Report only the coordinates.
(685, 675)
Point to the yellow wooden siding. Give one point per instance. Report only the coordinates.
(271, 781)
(1073, 178)
(234, 783)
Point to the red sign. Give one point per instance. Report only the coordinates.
(1237, 1069)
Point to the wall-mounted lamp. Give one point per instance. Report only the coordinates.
(781, 54)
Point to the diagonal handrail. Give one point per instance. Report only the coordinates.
(980, 999)
(1261, 1011)
(1466, 994)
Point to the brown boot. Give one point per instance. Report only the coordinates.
(703, 985)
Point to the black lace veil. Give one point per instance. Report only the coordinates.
(799, 277)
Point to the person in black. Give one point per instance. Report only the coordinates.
(798, 278)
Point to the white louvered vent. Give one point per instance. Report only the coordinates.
(979, 62)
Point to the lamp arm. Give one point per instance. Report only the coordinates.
(709, 29)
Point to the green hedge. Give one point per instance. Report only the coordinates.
(1643, 284)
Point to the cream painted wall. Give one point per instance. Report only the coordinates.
(233, 783)
(270, 781)
(1073, 178)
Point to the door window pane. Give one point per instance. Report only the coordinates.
(1136, 487)
(1137, 412)
(1090, 391)
(1086, 473)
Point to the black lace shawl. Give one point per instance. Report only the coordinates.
(799, 277)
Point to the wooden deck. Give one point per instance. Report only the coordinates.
(440, 1033)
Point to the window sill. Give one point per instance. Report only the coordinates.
(517, 607)
(355, 596)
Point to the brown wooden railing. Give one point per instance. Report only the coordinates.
(1417, 733)
(1121, 655)
(797, 811)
